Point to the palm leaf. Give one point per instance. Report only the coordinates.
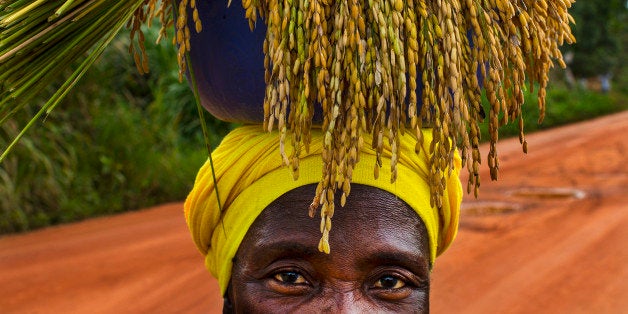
(42, 41)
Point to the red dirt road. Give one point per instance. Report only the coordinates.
(555, 251)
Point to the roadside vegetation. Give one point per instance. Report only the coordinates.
(121, 141)
(564, 106)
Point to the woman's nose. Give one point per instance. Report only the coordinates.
(348, 302)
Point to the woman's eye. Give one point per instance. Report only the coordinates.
(389, 282)
(290, 277)
(288, 283)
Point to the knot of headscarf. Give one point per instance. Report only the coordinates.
(250, 174)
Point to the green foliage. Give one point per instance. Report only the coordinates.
(563, 106)
(600, 30)
(119, 141)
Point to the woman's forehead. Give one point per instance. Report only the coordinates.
(373, 223)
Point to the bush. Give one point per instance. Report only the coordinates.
(119, 141)
(563, 106)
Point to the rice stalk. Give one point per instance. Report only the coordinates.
(363, 62)
(378, 67)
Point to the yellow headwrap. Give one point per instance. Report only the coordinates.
(251, 174)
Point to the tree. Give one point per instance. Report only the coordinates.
(600, 25)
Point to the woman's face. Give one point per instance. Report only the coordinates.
(379, 260)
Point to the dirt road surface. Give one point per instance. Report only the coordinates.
(551, 236)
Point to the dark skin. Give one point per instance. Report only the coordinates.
(379, 260)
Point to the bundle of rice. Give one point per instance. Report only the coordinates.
(373, 68)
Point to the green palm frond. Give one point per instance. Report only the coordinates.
(40, 40)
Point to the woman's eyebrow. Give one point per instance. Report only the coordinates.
(283, 249)
(411, 260)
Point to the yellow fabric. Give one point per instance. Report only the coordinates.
(251, 174)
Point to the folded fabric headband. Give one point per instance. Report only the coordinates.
(250, 174)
